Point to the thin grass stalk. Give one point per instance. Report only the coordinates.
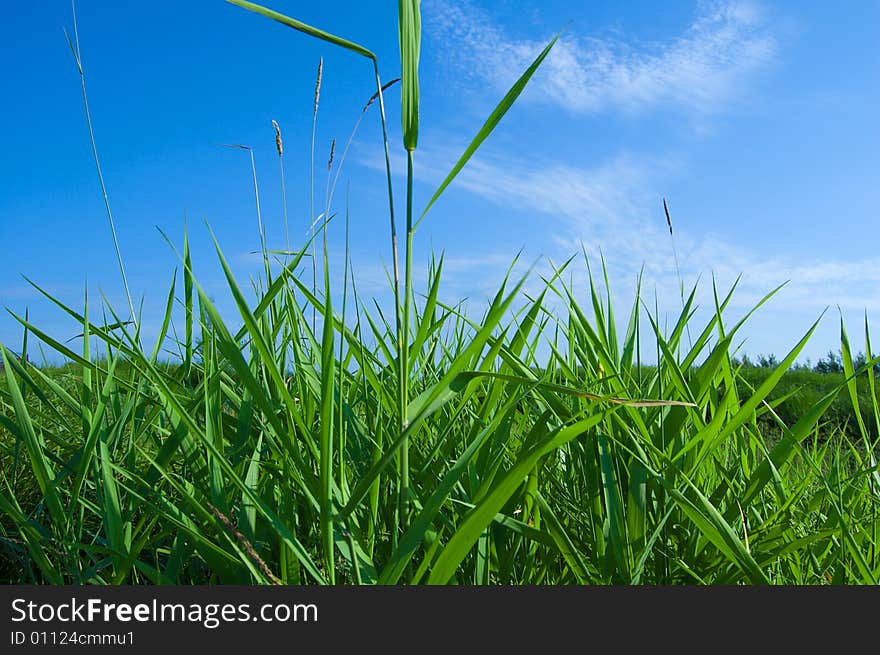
(404, 338)
(327, 445)
(872, 447)
(312, 218)
(245, 544)
(23, 388)
(373, 503)
(392, 224)
(342, 429)
(352, 136)
(260, 217)
(74, 46)
(279, 146)
(661, 492)
(263, 246)
(25, 360)
(677, 268)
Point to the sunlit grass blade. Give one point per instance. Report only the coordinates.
(491, 123)
(36, 448)
(476, 521)
(302, 27)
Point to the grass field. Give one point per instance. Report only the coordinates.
(313, 442)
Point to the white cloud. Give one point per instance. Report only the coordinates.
(615, 209)
(699, 69)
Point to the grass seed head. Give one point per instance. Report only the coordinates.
(278, 144)
(668, 217)
(318, 83)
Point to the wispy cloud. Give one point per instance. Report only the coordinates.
(611, 203)
(614, 209)
(698, 69)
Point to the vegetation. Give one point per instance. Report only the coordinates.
(314, 443)
(803, 386)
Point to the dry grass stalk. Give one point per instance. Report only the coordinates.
(245, 544)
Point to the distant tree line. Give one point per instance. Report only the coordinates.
(830, 363)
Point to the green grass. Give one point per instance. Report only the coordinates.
(313, 442)
(130, 471)
(801, 388)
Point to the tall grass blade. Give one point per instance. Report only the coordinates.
(490, 124)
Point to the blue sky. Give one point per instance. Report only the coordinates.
(755, 119)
